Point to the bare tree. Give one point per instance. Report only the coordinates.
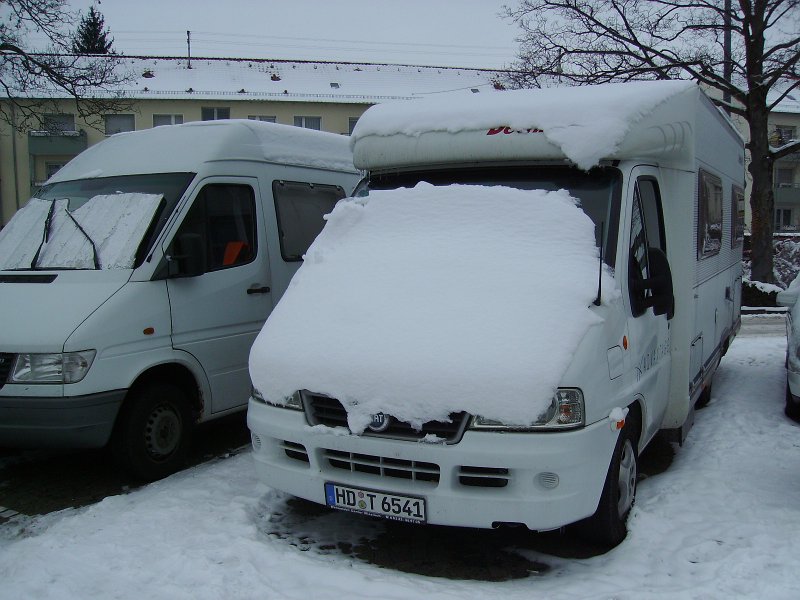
(34, 81)
(746, 49)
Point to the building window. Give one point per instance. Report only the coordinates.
(308, 122)
(351, 124)
(119, 123)
(215, 114)
(709, 215)
(58, 123)
(785, 134)
(159, 120)
(784, 177)
(51, 168)
(264, 118)
(783, 219)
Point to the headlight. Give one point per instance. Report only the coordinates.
(566, 411)
(66, 367)
(293, 402)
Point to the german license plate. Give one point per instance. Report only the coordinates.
(370, 502)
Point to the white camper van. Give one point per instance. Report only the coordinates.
(659, 170)
(135, 281)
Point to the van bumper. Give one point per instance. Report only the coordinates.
(63, 422)
(526, 461)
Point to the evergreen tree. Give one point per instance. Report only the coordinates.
(91, 38)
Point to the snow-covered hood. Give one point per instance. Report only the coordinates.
(426, 301)
(39, 316)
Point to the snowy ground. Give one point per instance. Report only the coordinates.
(723, 521)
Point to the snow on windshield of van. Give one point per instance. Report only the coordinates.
(115, 223)
(586, 123)
(430, 300)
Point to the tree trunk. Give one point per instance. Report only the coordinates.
(762, 199)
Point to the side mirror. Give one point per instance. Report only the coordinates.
(660, 284)
(189, 259)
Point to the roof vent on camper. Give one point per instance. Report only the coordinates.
(334, 85)
(474, 90)
(275, 77)
(148, 74)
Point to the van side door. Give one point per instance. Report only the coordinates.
(219, 284)
(649, 332)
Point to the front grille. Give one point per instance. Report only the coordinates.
(483, 477)
(381, 466)
(6, 360)
(322, 410)
(295, 451)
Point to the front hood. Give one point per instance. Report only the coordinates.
(41, 309)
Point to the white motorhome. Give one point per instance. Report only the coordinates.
(660, 171)
(135, 281)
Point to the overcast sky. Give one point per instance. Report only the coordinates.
(464, 33)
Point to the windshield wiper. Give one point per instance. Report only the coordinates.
(45, 234)
(95, 256)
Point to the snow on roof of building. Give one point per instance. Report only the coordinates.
(296, 81)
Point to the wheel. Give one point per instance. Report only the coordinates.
(153, 431)
(705, 397)
(792, 409)
(607, 526)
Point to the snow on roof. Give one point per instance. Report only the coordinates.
(790, 104)
(387, 313)
(184, 148)
(295, 81)
(585, 124)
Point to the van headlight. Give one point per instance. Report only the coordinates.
(566, 411)
(58, 367)
(293, 402)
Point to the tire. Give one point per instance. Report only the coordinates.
(153, 431)
(792, 409)
(704, 398)
(607, 527)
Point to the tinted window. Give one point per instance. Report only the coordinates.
(709, 215)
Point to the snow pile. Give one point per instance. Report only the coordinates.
(426, 301)
(115, 223)
(586, 123)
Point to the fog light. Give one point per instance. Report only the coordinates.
(548, 481)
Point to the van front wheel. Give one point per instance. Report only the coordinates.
(608, 525)
(153, 431)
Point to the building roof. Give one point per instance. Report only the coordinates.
(790, 104)
(293, 81)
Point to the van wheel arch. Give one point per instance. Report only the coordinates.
(153, 430)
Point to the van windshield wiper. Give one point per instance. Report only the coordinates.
(45, 234)
(95, 256)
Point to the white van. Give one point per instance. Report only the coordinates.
(660, 171)
(135, 281)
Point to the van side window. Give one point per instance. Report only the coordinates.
(709, 215)
(639, 266)
(300, 208)
(737, 216)
(223, 215)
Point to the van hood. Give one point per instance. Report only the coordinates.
(42, 309)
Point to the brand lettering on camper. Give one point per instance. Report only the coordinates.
(508, 130)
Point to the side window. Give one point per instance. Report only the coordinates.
(737, 216)
(300, 208)
(647, 242)
(639, 244)
(709, 215)
(224, 217)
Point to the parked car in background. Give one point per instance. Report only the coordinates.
(788, 298)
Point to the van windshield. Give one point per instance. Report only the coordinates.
(599, 190)
(106, 222)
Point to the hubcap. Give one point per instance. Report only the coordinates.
(163, 432)
(627, 478)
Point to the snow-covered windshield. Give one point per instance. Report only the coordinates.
(103, 223)
(598, 190)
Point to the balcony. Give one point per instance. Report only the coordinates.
(56, 143)
(787, 194)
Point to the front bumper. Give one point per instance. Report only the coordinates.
(485, 480)
(61, 422)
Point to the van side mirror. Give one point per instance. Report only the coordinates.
(189, 259)
(660, 284)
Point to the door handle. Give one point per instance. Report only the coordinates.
(258, 290)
